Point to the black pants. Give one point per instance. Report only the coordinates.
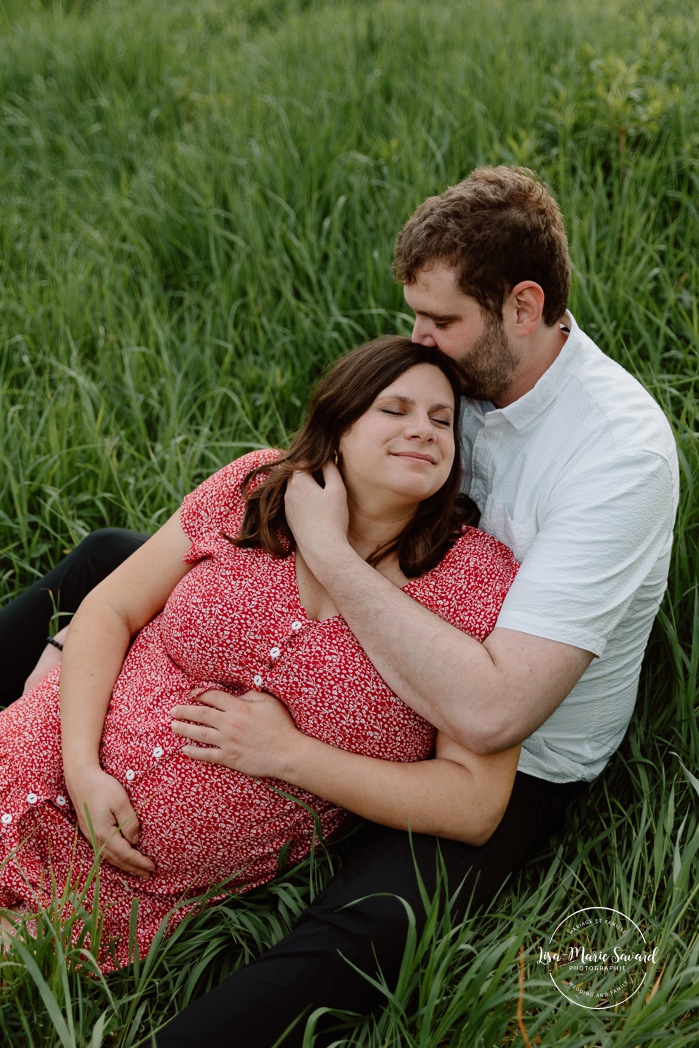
(24, 621)
(360, 918)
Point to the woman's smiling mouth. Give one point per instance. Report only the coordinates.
(414, 455)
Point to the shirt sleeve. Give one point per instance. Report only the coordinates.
(218, 503)
(604, 538)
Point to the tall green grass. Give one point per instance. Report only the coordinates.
(199, 203)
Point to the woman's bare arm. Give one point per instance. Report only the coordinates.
(95, 647)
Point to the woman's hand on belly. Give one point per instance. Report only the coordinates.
(109, 822)
(251, 733)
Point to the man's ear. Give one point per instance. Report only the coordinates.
(523, 307)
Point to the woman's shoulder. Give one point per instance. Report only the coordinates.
(477, 554)
(219, 500)
(476, 542)
(236, 471)
(470, 583)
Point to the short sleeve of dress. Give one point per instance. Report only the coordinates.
(468, 587)
(218, 503)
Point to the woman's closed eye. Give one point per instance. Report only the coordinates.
(438, 420)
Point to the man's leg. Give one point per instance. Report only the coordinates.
(24, 621)
(360, 918)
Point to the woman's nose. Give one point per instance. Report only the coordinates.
(419, 425)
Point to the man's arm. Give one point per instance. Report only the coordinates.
(26, 620)
(488, 697)
(457, 794)
(48, 660)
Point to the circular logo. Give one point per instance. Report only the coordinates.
(597, 957)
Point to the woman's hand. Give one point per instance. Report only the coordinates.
(251, 733)
(112, 824)
(317, 516)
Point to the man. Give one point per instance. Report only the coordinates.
(572, 465)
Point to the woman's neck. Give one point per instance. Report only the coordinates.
(371, 527)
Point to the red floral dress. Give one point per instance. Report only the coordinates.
(235, 622)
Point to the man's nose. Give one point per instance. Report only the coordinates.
(423, 329)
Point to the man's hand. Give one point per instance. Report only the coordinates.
(251, 733)
(318, 517)
(113, 824)
(49, 658)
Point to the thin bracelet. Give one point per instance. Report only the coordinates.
(56, 643)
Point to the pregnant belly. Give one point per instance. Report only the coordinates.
(202, 824)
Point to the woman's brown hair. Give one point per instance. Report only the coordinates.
(346, 392)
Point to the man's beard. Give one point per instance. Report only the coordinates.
(490, 364)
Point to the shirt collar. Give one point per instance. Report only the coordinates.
(528, 407)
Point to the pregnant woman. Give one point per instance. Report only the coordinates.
(219, 601)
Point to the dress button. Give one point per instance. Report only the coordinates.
(296, 625)
(275, 652)
(32, 798)
(158, 751)
(132, 774)
(60, 799)
(257, 680)
(6, 819)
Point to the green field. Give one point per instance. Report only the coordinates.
(199, 202)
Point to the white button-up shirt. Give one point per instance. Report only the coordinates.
(579, 477)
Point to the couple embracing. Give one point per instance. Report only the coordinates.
(325, 630)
